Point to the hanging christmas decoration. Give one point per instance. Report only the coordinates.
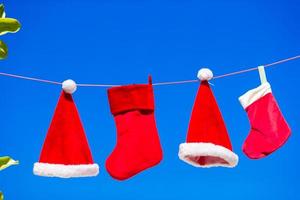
(66, 152)
(207, 143)
(269, 130)
(138, 146)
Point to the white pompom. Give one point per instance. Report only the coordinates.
(69, 86)
(205, 74)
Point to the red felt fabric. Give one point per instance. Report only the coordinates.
(66, 142)
(138, 146)
(269, 130)
(131, 97)
(206, 124)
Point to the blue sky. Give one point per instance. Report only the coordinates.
(121, 42)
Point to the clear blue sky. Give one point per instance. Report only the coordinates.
(121, 42)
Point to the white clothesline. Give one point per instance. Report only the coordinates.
(154, 84)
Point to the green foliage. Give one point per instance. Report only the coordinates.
(7, 25)
(3, 51)
(2, 12)
(6, 161)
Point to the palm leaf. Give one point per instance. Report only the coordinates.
(3, 50)
(9, 25)
(2, 14)
(1, 196)
(6, 162)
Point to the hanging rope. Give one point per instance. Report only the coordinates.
(155, 84)
(232, 73)
(29, 78)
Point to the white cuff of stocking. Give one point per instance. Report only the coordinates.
(65, 171)
(253, 95)
(189, 150)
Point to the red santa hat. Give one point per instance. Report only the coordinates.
(207, 143)
(66, 152)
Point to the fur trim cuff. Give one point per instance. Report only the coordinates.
(65, 171)
(253, 95)
(217, 155)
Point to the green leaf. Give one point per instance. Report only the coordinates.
(6, 162)
(1, 196)
(2, 14)
(3, 50)
(9, 25)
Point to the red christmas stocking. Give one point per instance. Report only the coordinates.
(269, 130)
(138, 146)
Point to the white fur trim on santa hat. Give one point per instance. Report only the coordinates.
(69, 86)
(253, 95)
(205, 74)
(188, 150)
(65, 171)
